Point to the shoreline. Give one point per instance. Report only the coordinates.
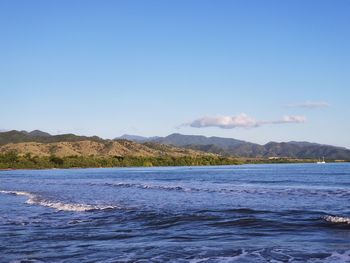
(164, 166)
(14, 161)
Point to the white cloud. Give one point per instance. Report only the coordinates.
(288, 119)
(293, 119)
(242, 120)
(225, 122)
(310, 104)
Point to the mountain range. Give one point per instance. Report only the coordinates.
(41, 142)
(38, 143)
(239, 148)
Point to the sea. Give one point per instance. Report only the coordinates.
(243, 213)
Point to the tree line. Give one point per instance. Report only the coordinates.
(12, 160)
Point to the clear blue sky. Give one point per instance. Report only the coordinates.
(156, 67)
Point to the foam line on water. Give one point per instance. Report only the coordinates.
(233, 189)
(153, 186)
(275, 255)
(61, 206)
(337, 219)
(339, 257)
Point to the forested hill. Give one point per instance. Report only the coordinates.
(42, 137)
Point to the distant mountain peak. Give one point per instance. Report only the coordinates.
(130, 137)
(38, 133)
(136, 138)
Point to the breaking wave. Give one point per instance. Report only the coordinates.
(245, 189)
(153, 186)
(61, 206)
(276, 255)
(338, 257)
(337, 219)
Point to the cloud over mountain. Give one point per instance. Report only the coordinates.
(242, 120)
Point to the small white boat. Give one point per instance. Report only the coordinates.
(321, 162)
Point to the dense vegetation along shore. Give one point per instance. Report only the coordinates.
(15, 161)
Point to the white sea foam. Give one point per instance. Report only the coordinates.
(336, 257)
(69, 207)
(244, 256)
(61, 206)
(337, 219)
(27, 194)
(153, 186)
(257, 256)
(235, 189)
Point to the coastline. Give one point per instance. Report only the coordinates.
(259, 161)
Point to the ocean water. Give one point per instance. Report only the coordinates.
(246, 213)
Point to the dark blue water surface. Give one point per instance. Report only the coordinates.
(247, 213)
